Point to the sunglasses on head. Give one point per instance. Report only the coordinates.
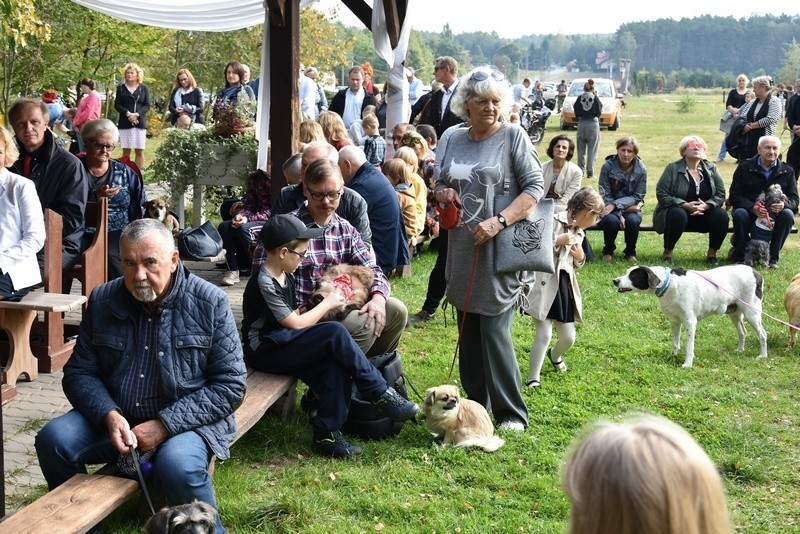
(480, 75)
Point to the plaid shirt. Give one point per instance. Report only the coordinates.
(341, 243)
(375, 149)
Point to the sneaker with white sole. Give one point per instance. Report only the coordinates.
(512, 426)
(230, 278)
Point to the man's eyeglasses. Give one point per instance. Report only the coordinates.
(480, 75)
(300, 255)
(101, 146)
(331, 196)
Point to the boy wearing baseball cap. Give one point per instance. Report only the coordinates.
(277, 338)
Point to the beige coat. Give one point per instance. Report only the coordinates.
(545, 285)
(568, 182)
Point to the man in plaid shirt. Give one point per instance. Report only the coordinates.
(377, 326)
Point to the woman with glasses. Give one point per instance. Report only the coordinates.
(470, 173)
(555, 299)
(186, 98)
(132, 102)
(113, 180)
(623, 184)
(691, 197)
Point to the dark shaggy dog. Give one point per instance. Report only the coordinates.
(757, 250)
(194, 518)
(350, 281)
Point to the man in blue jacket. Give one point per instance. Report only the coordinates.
(389, 240)
(158, 366)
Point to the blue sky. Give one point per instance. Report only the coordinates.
(515, 18)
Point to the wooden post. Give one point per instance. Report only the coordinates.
(284, 64)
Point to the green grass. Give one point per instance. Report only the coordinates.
(742, 411)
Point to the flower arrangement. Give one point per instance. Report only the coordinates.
(232, 117)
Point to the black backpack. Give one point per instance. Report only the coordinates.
(362, 419)
(736, 141)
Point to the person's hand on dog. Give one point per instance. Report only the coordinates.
(332, 300)
(777, 207)
(120, 432)
(375, 308)
(759, 209)
(150, 434)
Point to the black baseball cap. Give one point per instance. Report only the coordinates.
(281, 229)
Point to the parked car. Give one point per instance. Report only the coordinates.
(608, 98)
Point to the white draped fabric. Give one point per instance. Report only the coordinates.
(398, 108)
(227, 15)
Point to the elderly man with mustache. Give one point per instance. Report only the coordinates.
(158, 366)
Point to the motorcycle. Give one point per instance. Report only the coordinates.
(533, 117)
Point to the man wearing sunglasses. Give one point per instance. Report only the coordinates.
(438, 113)
(61, 181)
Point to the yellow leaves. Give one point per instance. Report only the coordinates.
(21, 22)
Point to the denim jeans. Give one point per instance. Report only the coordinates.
(744, 220)
(237, 243)
(180, 467)
(610, 226)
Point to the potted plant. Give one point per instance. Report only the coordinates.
(235, 117)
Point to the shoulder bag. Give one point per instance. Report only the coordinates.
(198, 244)
(526, 245)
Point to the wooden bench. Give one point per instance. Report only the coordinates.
(85, 500)
(16, 318)
(53, 348)
(651, 228)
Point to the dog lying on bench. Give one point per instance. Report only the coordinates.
(352, 282)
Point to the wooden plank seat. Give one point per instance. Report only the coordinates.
(16, 318)
(54, 342)
(651, 228)
(85, 500)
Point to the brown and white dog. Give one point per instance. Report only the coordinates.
(158, 208)
(685, 297)
(791, 301)
(194, 518)
(458, 422)
(352, 282)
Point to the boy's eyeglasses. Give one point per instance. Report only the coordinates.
(480, 75)
(300, 255)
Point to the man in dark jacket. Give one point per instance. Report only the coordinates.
(60, 178)
(437, 113)
(350, 103)
(753, 177)
(383, 208)
(158, 366)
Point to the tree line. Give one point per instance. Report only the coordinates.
(55, 43)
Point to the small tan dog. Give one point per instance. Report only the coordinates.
(158, 208)
(791, 301)
(458, 422)
(352, 282)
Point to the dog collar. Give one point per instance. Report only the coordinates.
(662, 287)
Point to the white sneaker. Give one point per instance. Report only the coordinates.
(513, 426)
(230, 278)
